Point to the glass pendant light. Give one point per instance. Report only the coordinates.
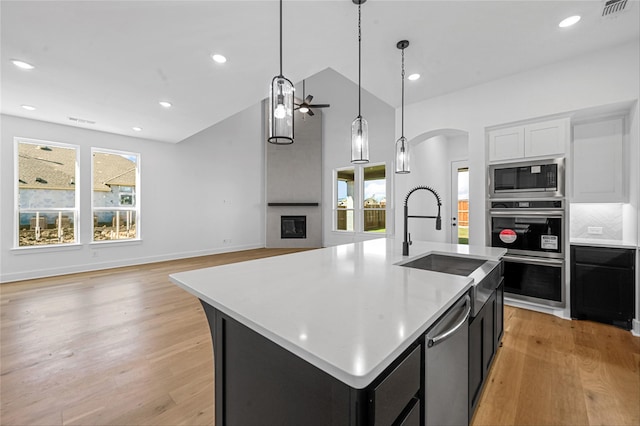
(359, 127)
(281, 105)
(402, 146)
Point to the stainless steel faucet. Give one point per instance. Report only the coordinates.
(407, 237)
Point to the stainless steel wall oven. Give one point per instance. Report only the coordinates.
(533, 232)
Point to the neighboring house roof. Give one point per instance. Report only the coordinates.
(53, 167)
(46, 167)
(112, 169)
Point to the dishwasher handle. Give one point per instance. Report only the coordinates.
(444, 336)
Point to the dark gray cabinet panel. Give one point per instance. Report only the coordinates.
(398, 388)
(499, 313)
(255, 376)
(258, 382)
(603, 284)
(488, 333)
(485, 333)
(412, 415)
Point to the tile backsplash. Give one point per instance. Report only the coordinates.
(605, 217)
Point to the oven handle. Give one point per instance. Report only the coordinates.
(524, 212)
(534, 261)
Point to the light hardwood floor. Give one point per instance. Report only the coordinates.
(127, 347)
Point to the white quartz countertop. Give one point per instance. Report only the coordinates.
(349, 309)
(603, 243)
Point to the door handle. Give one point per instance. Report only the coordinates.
(439, 338)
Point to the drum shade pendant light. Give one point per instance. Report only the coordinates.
(359, 127)
(281, 105)
(402, 146)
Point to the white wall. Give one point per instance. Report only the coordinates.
(330, 87)
(605, 77)
(195, 194)
(431, 159)
(600, 78)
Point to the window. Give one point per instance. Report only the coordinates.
(115, 202)
(345, 185)
(47, 193)
(375, 198)
(368, 203)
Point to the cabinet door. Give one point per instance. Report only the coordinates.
(598, 161)
(475, 361)
(488, 334)
(546, 138)
(506, 144)
(398, 389)
(602, 284)
(499, 326)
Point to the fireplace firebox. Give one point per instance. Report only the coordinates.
(293, 227)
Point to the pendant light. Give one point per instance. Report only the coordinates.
(402, 146)
(359, 127)
(281, 105)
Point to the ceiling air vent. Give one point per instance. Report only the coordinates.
(611, 7)
(81, 120)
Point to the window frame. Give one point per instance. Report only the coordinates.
(363, 199)
(358, 201)
(134, 193)
(17, 140)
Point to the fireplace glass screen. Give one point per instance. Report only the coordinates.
(293, 227)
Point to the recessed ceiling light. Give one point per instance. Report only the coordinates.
(165, 104)
(137, 129)
(571, 20)
(29, 107)
(22, 64)
(219, 58)
(414, 77)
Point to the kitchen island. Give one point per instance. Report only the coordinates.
(308, 337)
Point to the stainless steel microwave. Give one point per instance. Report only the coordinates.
(531, 179)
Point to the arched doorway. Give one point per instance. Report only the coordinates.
(434, 155)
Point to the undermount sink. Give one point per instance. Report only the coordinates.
(486, 274)
(447, 264)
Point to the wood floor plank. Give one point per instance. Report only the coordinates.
(551, 371)
(126, 346)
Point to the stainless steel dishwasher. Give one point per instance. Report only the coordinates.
(447, 367)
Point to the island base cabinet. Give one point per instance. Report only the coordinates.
(258, 382)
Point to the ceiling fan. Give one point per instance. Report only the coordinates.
(306, 105)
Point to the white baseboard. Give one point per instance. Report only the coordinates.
(558, 312)
(635, 329)
(96, 266)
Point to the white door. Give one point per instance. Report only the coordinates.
(459, 219)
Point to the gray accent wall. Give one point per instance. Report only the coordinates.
(294, 175)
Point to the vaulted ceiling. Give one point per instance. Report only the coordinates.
(105, 65)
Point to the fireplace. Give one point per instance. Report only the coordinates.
(293, 227)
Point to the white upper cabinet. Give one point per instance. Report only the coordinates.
(542, 139)
(599, 166)
(506, 144)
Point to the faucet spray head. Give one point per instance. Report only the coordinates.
(438, 223)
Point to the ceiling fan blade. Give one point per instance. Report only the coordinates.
(297, 107)
(320, 106)
(310, 113)
(308, 99)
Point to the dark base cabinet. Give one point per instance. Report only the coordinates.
(257, 382)
(603, 285)
(485, 334)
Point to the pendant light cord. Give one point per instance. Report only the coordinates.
(402, 121)
(359, 60)
(281, 38)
